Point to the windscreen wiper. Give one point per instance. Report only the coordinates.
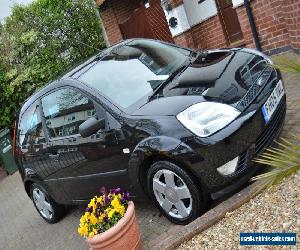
(166, 82)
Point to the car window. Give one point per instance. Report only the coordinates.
(130, 73)
(30, 131)
(64, 110)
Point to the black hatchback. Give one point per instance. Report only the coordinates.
(176, 125)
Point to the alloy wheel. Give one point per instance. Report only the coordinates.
(42, 203)
(172, 194)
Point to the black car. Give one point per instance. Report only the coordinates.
(177, 125)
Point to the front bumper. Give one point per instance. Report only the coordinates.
(247, 137)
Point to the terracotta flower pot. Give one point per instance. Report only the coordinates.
(124, 235)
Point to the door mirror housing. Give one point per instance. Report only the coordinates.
(91, 126)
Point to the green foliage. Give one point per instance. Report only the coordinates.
(287, 65)
(284, 160)
(39, 42)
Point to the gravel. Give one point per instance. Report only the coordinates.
(275, 210)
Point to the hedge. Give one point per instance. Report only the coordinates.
(39, 42)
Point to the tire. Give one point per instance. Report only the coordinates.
(48, 209)
(180, 195)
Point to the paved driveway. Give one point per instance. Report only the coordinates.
(22, 228)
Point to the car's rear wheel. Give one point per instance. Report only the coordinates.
(175, 192)
(48, 209)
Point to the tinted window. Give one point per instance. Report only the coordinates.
(64, 111)
(30, 130)
(129, 73)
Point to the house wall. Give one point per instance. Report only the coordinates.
(197, 13)
(207, 34)
(277, 21)
(292, 18)
(111, 26)
(185, 39)
(175, 3)
(113, 13)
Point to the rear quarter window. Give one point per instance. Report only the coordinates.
(30, 131)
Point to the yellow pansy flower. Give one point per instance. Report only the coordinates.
(121, 210)
(80, 225)
(115, 202)
(100, 200)
(82, 219)
(86, 216)
(92, 204)
(100, 218)
(93, 219)
(83, 231)
(111, 213)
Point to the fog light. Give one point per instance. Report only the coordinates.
(229, 167)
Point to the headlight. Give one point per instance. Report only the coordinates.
(206, 118)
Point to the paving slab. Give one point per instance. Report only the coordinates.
(22, 228)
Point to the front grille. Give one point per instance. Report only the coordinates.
(271, 131)
(249, 97)
(266, 76)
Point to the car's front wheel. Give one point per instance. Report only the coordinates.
(48, 209)
(175, 192)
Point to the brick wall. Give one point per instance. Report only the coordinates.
(185, 40)
(206, 35)
(123, 9)
(175, 3)
(111, 26)
(276, 22)
(209, 34)
(292, 18)
(113, 13)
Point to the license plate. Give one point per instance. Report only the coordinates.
(271, 104)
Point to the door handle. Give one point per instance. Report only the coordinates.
(54, 157)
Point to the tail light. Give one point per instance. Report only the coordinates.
(15, 138)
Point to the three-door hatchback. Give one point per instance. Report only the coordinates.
(177, 125)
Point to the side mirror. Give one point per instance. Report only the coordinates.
(91, 126)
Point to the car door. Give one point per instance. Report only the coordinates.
(31, 141)
(32, 150)
(84, 164)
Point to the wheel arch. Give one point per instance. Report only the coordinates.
(155, 149)
(30, 177)
(27, 185)
(34, 178)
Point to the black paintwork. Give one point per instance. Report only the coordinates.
(151, 131)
